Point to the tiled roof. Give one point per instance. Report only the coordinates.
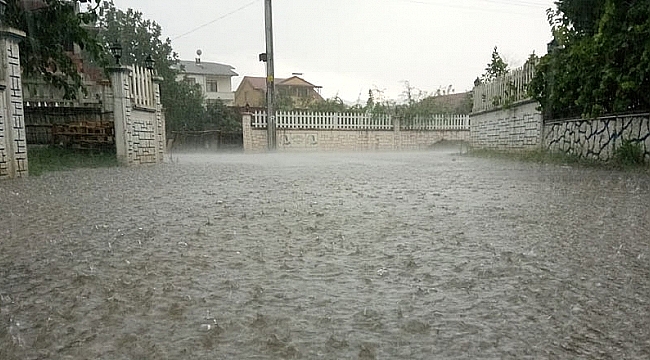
(259, 82)
(207, 68)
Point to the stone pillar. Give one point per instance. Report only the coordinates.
(397, 133)
(13, 141)
(247, 133)
(121, 111)
(160, 135)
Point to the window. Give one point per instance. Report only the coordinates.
(189, 80)
(212, 85)
(302, 92)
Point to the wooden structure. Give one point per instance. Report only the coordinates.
(85, 135)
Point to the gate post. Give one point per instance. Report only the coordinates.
(397, 133)
(247, 131)
(13, 139)
(160, 134)
(121, 111)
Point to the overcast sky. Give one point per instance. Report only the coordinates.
(351, 46)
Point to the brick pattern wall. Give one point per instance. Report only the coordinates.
(516, 128)
(13, 140)
(5, 170)
(142, 146)
(161, 137)
(597, 138)
(144, 127)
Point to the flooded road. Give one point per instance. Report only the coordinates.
(423, 255)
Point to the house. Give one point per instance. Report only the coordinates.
(214, 79)
(460, 103)
(252, 91)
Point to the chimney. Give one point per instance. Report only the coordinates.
(198, 57)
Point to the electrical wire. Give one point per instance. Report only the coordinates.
(215, 20)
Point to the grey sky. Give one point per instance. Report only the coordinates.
(350, 46)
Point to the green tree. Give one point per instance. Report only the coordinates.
(601, 62)
(52, 27)
(335, 104)
(221, 117)
(497, 67)
(140, 37)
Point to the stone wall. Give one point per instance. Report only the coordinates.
(255, 139)
(13, 140)
(597, 138)
(139, 128)
(517, 128)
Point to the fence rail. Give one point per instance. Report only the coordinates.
(437, 122)
(508, 89)
(354, 121)
(141, 85)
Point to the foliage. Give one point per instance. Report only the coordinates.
(497, 67)
(44, 159)
(601, 64)
(183, 105)
(629, 153)
(221, 117)
(140, 37)
(283, 102)
(51, 30)
(415, 102)
(334, 105)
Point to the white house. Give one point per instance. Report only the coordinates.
(215, 79)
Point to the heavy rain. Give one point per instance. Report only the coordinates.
(413, 255)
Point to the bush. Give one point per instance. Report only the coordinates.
(629, 153)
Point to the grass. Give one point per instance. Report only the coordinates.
(44, 159)
(629, 154)
(547, 157)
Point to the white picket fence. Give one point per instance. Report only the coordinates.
(141, 85)
(354, 121)
(437, 122)
(510, 88)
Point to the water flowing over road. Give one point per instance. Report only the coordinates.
(422, 255)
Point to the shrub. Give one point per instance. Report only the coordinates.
(629, 153)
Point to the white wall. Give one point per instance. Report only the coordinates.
(224, 85)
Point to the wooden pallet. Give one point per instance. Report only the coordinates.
(84, 135)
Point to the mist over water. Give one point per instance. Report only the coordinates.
(418, 255)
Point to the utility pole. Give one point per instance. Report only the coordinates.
(270, 77)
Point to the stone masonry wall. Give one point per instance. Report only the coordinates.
(347, 140)
(139, 130)
(597, 138)
(516, 128)
(13, 142)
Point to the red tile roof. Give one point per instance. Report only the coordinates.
(259, 82)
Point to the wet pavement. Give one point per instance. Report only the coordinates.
(422, 255)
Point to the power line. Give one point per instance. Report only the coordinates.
(217, 19)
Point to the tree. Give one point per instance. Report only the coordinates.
(601, 64)
(221, 117)
(497, 67)
(52, 27)
(140, 37)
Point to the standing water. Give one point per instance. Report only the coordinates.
(423, 255)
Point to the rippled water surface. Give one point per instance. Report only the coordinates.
(423, 255)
